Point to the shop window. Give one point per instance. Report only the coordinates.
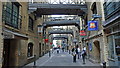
(111, 47)
(117, 45)
(30, 50)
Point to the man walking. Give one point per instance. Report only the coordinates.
(74, 54)
(78, 49)
(83, 55)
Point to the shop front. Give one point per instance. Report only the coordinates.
(113, 40)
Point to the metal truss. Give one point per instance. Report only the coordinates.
(57, 1)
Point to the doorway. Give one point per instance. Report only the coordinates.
(40, 50)
(6, 53)
(97, 51)
(10, 53)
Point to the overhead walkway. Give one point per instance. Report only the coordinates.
(59, 8)
(61, 32)
(61, 23)
(60, 37)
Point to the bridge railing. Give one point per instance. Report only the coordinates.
(63, 18)
(58, 1)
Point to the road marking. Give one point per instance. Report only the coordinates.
(46, 61)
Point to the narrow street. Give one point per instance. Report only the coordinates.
(33, 31)
(61, 59)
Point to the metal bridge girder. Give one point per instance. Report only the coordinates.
(65, 9)
(61, 32)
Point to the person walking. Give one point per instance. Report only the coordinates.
(57, 50)
(74, 54)
(83, 55)
(78, 49)
(62, 49)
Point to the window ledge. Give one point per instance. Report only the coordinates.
(11, 28)
(30, 57)
(110, 59)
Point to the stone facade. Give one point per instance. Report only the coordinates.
(15, 41)
(1, 37)
(112, 32)
(95, 41)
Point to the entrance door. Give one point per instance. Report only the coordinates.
(40, 49)
(6, 53)
(97, 50)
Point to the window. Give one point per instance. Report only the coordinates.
(94, 8)
(111, 47)
(11, 15)
(30, 50)
(116, 28)
(30, 23)
(117, 45)
(110, 7)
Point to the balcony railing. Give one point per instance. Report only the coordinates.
(11, 19)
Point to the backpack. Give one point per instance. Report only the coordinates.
(73, 50)
(84, 53)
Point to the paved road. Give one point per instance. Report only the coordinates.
(61, 59)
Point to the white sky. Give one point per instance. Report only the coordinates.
(58, 15)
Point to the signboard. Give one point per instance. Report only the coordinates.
(82, 33)
(46, 40)
(92, 25)
(51, 43)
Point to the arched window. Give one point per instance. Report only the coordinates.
(94, 8)
(30, 50)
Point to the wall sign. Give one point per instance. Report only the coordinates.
(82, 33)
(46, 40)
(92, 25)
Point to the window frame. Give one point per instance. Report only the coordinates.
(31, 24)
(10, 16)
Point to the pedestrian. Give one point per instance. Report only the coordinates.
(49, 53)
(83, 55)
(57, 50)
(78, 49)
(51, 50)
(63, 49)
(74, 54)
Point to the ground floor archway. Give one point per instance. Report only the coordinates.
(97, 51)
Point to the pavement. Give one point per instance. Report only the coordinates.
(61, 59)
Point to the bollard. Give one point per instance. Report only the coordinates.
(35, 60)
(69, 51)
(104, 64)
(49, 53)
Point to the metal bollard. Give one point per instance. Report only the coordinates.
(49, 53)
(69, 51)
(104, 64)
(35, 60)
